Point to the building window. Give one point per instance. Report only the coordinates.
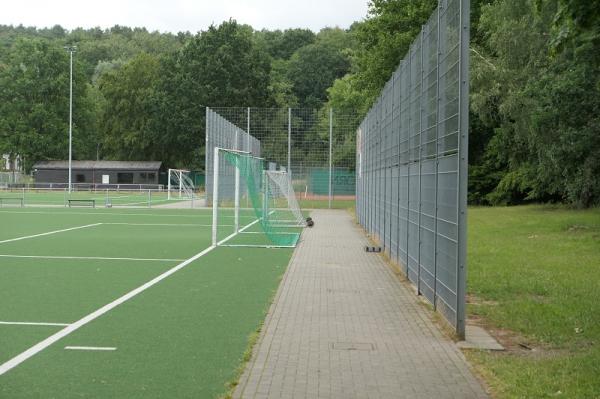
(80, 178)
(143, 177)
(151, 177)
(125, 178)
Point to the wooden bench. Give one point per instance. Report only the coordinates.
(19, 200)
(82, 201)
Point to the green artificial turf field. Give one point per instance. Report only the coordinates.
(184, 336)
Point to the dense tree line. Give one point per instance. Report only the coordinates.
(535, 89)
(535, 92)
(536, 102)
(140, 95)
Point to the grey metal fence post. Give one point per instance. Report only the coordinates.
(399, 161)
(206, 152)
(420, 166)
(437, 156)
(249, 150)
(408, 190)
(378, 182)
(463, 166)
(386, 211)
(369, 204)
(373, 199)
(380, 173)
(392, 136)
(289, 154)
(330, 152)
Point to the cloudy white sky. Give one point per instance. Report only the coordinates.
(182, 15)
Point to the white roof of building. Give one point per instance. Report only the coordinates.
(91, 165)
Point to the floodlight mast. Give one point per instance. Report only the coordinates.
(71, 50)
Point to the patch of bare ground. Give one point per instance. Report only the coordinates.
(476, 301)
(576, 228)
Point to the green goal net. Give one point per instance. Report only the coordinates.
(255, 206)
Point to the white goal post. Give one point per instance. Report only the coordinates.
(215, 195)
(179, 182)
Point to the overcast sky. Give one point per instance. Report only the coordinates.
(182, 15)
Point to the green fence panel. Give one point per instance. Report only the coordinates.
(343, 181)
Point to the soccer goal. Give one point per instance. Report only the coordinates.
(279, 185)
(180, 185)
(273, 219)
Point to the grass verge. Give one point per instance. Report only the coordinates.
(534, 282)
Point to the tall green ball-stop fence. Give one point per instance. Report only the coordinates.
(412, 162)
(316, 147)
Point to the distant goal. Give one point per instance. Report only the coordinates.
(180, 185)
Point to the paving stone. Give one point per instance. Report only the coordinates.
(478, 338)
(343, 326)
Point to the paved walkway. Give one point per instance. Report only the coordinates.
(343, 326)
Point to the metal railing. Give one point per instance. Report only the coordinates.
(86, 186)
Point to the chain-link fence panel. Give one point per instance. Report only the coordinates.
(231, 136)
(412, 162)
(317, 147)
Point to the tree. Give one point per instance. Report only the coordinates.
(281, 88)
(385, 38)
(345, 98)
(312, 70)
(537, 85)
(378, 45)
(127, 116)
(219, 67)
(34, 103)
(281, 45)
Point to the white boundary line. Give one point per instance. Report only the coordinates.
(109, 213)
(31, 323)
(88, 258)
(40, 346)
(161, 224)
(262, 232)
(259, 246)
(50, 232)
(91, 348)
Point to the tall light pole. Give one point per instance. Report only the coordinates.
(71, 50)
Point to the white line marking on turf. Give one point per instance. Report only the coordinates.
(88, 258)
(91, 348)
(50, 232)
(262, 232)
(31, 323)
(110, 213)
(40, 346)
(160, 224)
